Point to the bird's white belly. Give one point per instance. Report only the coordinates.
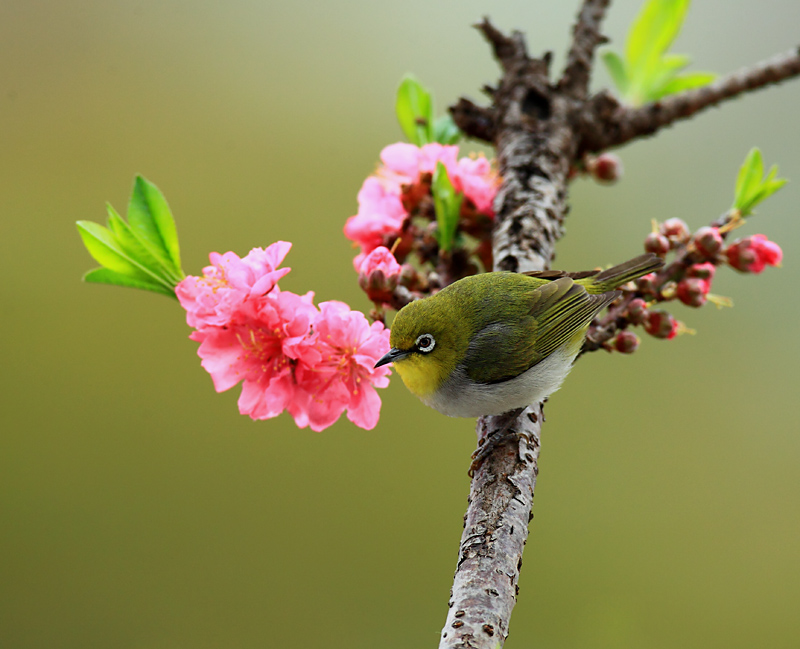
(461, 397)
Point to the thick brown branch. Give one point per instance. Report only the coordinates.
(495, 532)
(534, 149)
(586, 37)
(507, 50)
(475, 121)
(609, 124)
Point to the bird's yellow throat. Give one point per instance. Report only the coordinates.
(420, 375)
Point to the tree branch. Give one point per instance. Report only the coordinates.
(540, 129)
(586, 37)
(534, 148)
(607, 123)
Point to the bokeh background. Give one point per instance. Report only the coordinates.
(140, 510)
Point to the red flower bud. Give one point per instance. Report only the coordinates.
(705, 271)
(637, 311)
(661, 325)
(626, 342)
(753, 254)
(707, 241)
(675, 230)
(606, 168)
(692, 291)
(647, 283)
(656, 243)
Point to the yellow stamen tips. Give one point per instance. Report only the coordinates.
(669, 291)
(394, 245)
(253, 337)
(654, 225)
(719, 301)
(735, 220)
(683, 329)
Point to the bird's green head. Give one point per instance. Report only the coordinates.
(428, 339)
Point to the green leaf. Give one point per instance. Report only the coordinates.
(684, 82)
(135, 248)
(651, 34)
(108, 252)
(749, 175)
(445, 130)
(447, 203)
(150, 218)
(106, 276)
(414, 110)
(647, 72)
(751, 189)
(616, 68)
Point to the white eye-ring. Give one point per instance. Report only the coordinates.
(425, 343)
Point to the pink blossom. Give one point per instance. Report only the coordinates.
(229, 281)
(380, 215)
(478, 182)
(405, 162)
(345, 378)
(287, 355)
(753, 254)
(382, 259)
(266, 348)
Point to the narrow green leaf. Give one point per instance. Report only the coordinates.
(106, 250)
(414, 110)
(652, 32)
(616, 68)
(150, 218)
(751, 188)
(667, 67)
(750, 174)
(106, 276)
(447, 204)
(445, 130)
(136, 250)
(684, 82)
(109, 253)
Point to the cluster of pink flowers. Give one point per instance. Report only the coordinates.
(314, 363)
(390, 196)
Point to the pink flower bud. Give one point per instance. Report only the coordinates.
(606, 168)
(753, 254)
(656, 243)
(378, 274)
(692, 291)
(675, 230)
(707, 241)
(637, 311)
(626, 342)
(661, 325)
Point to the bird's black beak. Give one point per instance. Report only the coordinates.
(392, 355)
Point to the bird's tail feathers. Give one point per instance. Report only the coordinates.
(615, 276)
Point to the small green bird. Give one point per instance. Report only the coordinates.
(494, 342)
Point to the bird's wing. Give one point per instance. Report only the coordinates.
(554, 313)
(550, 275)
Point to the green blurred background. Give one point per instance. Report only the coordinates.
(140, 510)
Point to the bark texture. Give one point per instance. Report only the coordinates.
(540, 130)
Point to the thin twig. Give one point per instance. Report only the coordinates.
(586, 37)
(609, 124)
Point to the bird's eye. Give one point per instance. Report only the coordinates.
(425, 343)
